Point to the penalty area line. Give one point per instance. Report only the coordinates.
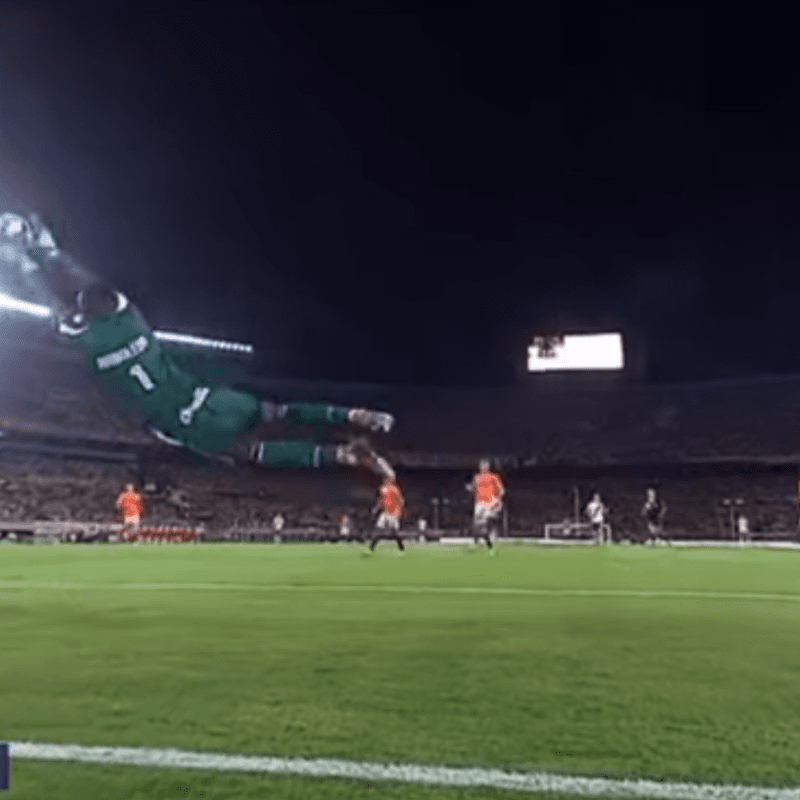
(463, 777)
(678, 594)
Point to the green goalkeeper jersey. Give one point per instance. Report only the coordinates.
(130, 363)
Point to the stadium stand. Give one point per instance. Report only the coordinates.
(65, 450)
(218, 500)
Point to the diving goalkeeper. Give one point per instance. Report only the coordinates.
(179, 408)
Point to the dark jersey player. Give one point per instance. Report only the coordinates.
(180, 409)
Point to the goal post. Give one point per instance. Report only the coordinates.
(569, 529)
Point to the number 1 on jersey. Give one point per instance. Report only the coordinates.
(140, 373)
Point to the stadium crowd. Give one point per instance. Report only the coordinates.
(576, 460)
(699, 504)
(49, 394)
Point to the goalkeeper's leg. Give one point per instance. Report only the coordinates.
(325, 414)
(306, 454)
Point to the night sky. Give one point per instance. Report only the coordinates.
(408, 192)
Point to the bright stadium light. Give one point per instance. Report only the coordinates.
(37, 310)
(580, 352)
(34, 309)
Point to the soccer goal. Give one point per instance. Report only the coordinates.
(575, 531)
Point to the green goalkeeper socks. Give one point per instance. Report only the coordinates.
(295, 455)
(312, 414)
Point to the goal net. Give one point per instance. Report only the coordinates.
(576, 531)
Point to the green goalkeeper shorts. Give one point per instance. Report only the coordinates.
(225, 415)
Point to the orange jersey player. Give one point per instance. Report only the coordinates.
(391, 505)
(130, 505)
(488, 491)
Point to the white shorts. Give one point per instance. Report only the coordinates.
(486, 514)
(132, 522)
(388, 521)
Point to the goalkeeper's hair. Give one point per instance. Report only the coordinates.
(99, 299)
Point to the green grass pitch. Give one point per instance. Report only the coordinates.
(615, 661)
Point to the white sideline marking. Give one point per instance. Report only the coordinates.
(539, 782)
(479, 590)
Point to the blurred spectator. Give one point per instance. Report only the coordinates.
(653, 511)
(278, 521)
(178, 499)
(422, 527)
(130, 505)
(597, 512)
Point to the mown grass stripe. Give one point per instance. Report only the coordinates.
(689, 594)
(530, 782)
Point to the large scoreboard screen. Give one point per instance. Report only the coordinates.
(576, 352)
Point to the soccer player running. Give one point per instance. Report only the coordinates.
(391, 506)
(597, 511)
(488, 491)
(179, 408)
(130, 505)
(653, 511)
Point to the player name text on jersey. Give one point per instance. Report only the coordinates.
(129, 351)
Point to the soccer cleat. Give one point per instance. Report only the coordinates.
(358, 452)
(373, 420)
